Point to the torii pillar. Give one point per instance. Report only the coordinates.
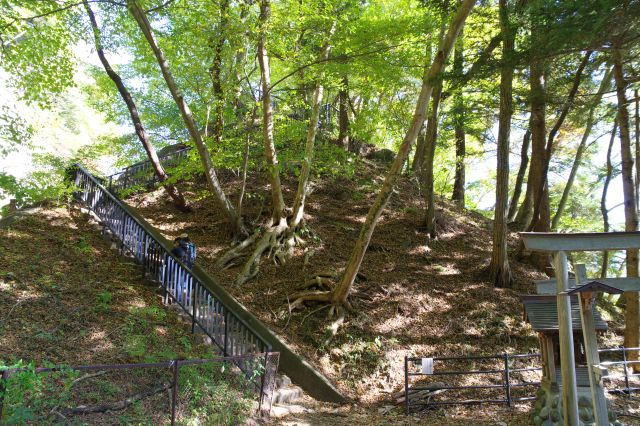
(558, 245)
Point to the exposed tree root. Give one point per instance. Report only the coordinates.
(270, 240)
(307, 296)
(236, 251)
(336, 311)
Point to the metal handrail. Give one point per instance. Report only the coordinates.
(227, 330)
(127, 176)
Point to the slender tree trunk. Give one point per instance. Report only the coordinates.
(632, 325)
(216, 71)
(523, 218)
(604, 85)
(538, 152)
(637, 121)
(303, 180)
(458, 123)
(540, 221)
(499, 269)
(343, 115)
(541, 209)
(418, 157)
(174, 193)
(339, 295)
(187, 117)
(239, 61)
(522, 170)
(427, 174)
(267, 118)
(603, 200)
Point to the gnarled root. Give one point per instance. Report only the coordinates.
(226, 260)
(336, 310)
(268, 241)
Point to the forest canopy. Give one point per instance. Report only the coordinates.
(526, 111)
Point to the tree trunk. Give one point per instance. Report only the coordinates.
(604, 86)
(339, 295)
(216, 71)
(541, 209)
(538, 152)
(499, 269)
(427, 175)
(632, 326)
(239, 63)
(343, 115)
(418, 157)
(458, 124)
(187, 117)
(267, 118)
(174, 193)
(637, 121)
(603, 200)
(523, 218)
(303, 180)
(522, 170)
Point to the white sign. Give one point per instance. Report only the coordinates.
(427, 365)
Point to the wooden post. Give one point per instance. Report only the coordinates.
(598, 399)
(567, 353)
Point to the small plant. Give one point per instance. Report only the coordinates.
(82, 247)
(30, 397)
(135, 346)
(103, 300)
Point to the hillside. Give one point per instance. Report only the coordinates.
(66, 298)
(413, 297)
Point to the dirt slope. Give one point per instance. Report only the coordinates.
(414, 297)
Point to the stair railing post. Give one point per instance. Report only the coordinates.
(507, 382)
(193, 304)
(264, 377)
(226, 330)
(626, 372)
(406, 385)
(174, 394)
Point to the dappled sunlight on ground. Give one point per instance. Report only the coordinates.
(65, 297)
(415, 296)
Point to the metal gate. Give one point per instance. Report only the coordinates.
(493, 379)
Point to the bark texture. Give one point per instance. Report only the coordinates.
(541, 209)
(499, 269)
(277, 201)
(427, 174)
(522, 170)
(458, 123)
(632, 325)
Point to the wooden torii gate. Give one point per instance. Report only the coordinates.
(558, 245)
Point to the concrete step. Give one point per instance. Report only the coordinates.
(287, 395)
(280, 411)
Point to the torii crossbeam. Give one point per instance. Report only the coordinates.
(558, 245)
